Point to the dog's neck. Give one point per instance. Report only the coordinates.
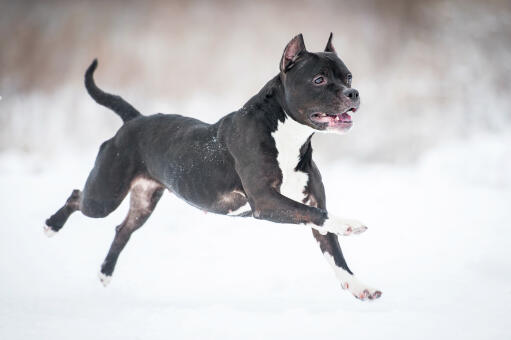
(271, 101)
(289, 135)
(267, 103)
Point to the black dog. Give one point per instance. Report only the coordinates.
(256, 161)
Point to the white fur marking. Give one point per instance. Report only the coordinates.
(340, 226)
(289, 138)
(105, 279)
(349, 282)
(49, 231)
(244, 208)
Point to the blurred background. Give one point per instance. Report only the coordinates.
(427, 167)
(428, 71)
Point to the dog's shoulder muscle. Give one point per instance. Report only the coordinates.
(247, 137)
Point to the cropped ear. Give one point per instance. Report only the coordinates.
(291, 53)
(329, 47)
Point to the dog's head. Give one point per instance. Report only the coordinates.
(317, 87)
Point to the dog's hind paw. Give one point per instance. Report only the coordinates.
(105, 279)
(48, 231)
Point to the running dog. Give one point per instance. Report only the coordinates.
(256, 161)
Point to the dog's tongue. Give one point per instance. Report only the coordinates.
(344, 117)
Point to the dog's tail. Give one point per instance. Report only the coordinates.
(113, 102)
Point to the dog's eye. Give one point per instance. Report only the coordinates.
(319, 80)
(348, 79)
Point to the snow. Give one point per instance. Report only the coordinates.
(437, 246)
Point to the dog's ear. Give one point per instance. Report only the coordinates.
(329, 47)
(292, 52)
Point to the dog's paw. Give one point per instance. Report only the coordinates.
(105, 279)
(48, 231)
(344, 227)
(360, 291)
(351, 283)
(368, 294)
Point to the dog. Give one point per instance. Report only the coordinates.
(254, 162)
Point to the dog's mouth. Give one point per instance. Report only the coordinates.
(333, 120)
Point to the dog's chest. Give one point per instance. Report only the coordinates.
(289, 138)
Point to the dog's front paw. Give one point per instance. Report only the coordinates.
(360, 291)
(344, 227)
(367, 294)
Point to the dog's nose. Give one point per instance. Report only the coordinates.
(351, 94)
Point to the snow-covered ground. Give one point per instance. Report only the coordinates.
(438, 246)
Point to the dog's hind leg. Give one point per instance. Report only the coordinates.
(110, 180)
(57, 220)
(145, 194)
(107, 185)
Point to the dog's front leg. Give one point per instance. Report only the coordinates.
(261, 177)
(275, 207)
(332, 252)
(272, 206)
(330, 247)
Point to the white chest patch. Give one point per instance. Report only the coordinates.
(289, 138)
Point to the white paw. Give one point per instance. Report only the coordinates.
(350, 282)
(361, 292)
(344, 227)
(49, 231)
(105, 279)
